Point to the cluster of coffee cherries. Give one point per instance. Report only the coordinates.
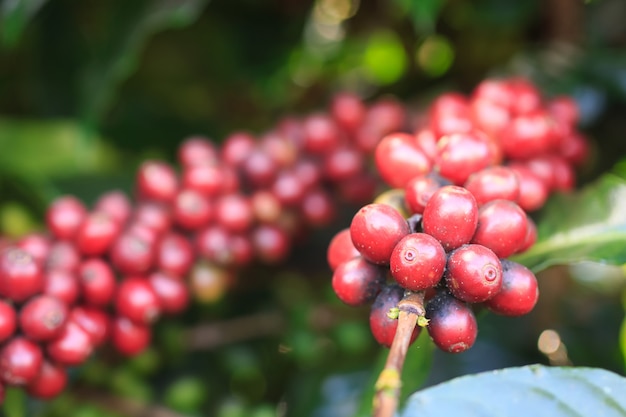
(462, 185)
(104, 273)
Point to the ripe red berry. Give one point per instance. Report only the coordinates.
(129, 338)
(519, 292)
(63, 256)
(172, 293)
(531, 235)
(259, 169)
(419, 190)
(197, 150)
(317, 208)
(137, 300)
(43, 317)
(234, 212)
(192, 210)
(155, 216)
(343, 162)
(492, 183)
(97, 281)
(461, 154)
(451, 216)
(376, 229)
(418, 261)
(527, 135)
(37, 245)
(320, 134)
(382, 326)
(174, 255)
(20, 361)
(133, 252)
(20, 276)
(50, 382)
(94, 321)
(8, 320)
(205, 179)
(502, 227)
(533, 192)
(452, 324)
(213, 244)
(449, 113)
(288, 188)
(399, 158)
(357, 281)
(72, 347)
(340, 249)
(157, 181)
(64, 216)
(473, 273)
(348, 111)
(116, 204)
(237, 147)
(270, 243)
(96, 234)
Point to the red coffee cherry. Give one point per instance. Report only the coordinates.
(43, 317)
(519, 292)
(461, 154)
(399, 158)
(384, 328)
(449, 113)
(8, 320)
(473, 273)
(154, 216)
(97, 281)
(357, 281)
(493, 183)
(63, 256)
(213, 244)
(288, 188)
(94, 321)
(419, 190)
(62, 285)
(451, 216)
(340, 249)
(533, 192)
(64, 216)
(531, 235)
(205, 179)
(526, 97)
(174, 254)
(137, 300)
(50, 382)
(72, 347)
(237, 147)
(133, 252)
(96, 234)
(348, 111)
(320, 134)
(502, 227)
(197, 150)
(343, 162)
(157, 181)
(192, 210)
(259, 169)
(37, 245)
(417, 262)
(375, 230)
(172, 293)
(234, 212)
(270, 243)
(317, 208)
(20, 361)
(527, 135)
(20, 276)
(116, 204)
(452, 324)
(130, 338)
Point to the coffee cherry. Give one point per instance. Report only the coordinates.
(382, 326)
(451, 216)
(191, 210)
(502, 227)
(375, 230)
(50, 382)
(473, 273)
(174, 255)
(288, 188)
(340, 249)
(270, 243)
(94, 321)
(208, 282)
(461, 154)
(96, 234)
(449, 114)
(154, 216)
(348, 111)
(213, 244)
(20, 361)
(519, 292)
(64, 216)
(157, 181)
(204, 179)
(357, 281)
(259, 169)
(116, 204)
(531, 235)
(97, 281)
(133, 252)
(8, 320)
(237, 147)
(20, 276)
(527, 135)
(36, 245)
(137, 300)
(63, 256)
(196, 150)
(172, 293)
(417, 262)
(317, 208)
(129, 338)
(452, 324)
(320, 134)
(234, 213)
(533, 192)
(418, 191)
(342, 163)
(72, 347)
(493, 183)
(43, 317)
(398, 159)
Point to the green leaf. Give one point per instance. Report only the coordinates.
(131, 25)
(534, 390)
(14, 16)
(416, 368)
(423, 13)
(589, 225)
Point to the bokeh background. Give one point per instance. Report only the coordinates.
(90, 89)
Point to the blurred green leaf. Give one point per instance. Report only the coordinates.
(130, 26)
(414, 373)
(384, 59)
(526, 391)
(14, 16)
(14, 402)
(588, 225)
(423, 13)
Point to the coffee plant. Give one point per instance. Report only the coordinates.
(352, 235)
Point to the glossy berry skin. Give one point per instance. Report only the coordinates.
(96, 234)
(418, 191)
(50, 382)
(172, 293)
(94, 321)
(399, 158)
(20, 276)
(43, 317)
(197, 150)
(20, 361)
(8, 320)
(64, 216)
(461, 154)
(116, 204)
(97, 281)
(192, 210)
(37, 245)
(493, 183)
(236, 148)
(62, 285)
(473, 273)
(375, 230)
(340, 249)
(72, 347)
(134, 251)
(357, 281)
(384, 328)
(270, 243)
(519, 292)
(533, 192)
(527, 135)
(174, 255)
(452, 325)
(157, 181)
(137, 300)
(234, 213)
(317, 207)
(531, 235)
(502, 227)
(129, 338)
(451, 216)
(320, 134)
(418, 261)
(63, 256)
